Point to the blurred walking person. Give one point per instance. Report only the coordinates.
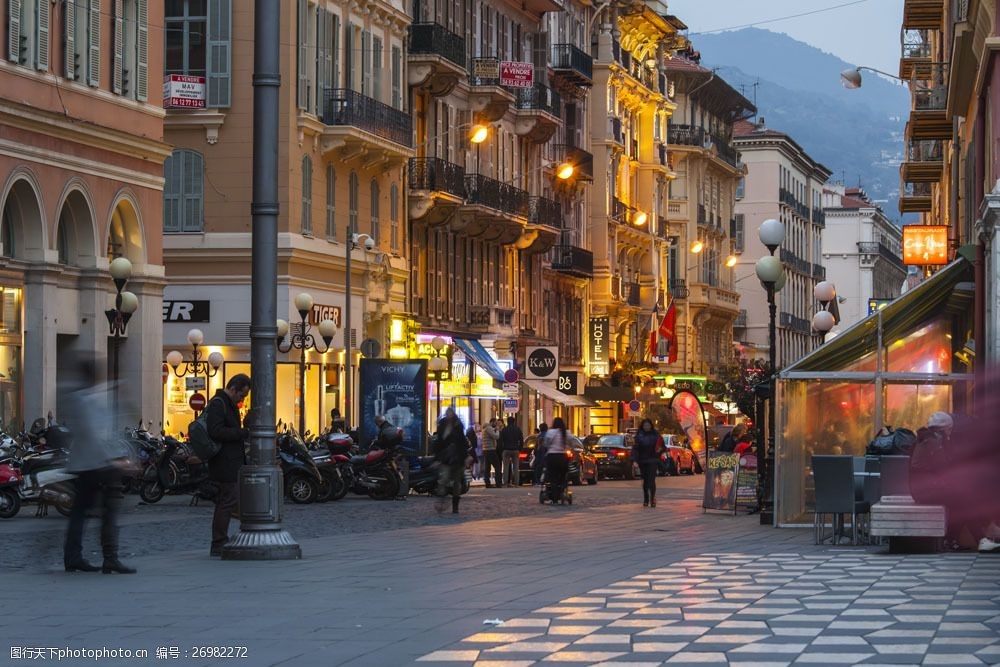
(94, 460)
(645, 452)
(226, 429)
(491, 456)
(538, 462)
(511, 444)
(556, 463)
(451, 450)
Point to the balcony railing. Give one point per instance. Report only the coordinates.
(678, 288)
(685, 135)
(914, 44)
(541, 98)
(542, 211)
(960, 10)
(819, 217)
(925, 150)
(486, 191)
(661, 152)
(347, 107)
(435, 39)
(880, 249)
(619, 210)
(798, 324)
(819, 272)
(436, 175)
(729, 154)
(916, 190)
(794, 261)
(702, 215)
(579, 158)
(930, 91)
(573, 260)
(567, 57)
(484, 71)
(631, 293)
(620, 55)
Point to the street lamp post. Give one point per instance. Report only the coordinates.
(438, 365)
(769, 271)
(303, 340)
(823, 321)
(126, 303)
(197, 366)
(353, 241)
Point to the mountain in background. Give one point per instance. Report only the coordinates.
(858, 134)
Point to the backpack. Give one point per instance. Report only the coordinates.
(891, 442)
(204, 447)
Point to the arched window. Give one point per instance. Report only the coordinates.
(331, 202)
(307, 189)
(375, 223)
(184, 192)
(352, 202)
(394, 218)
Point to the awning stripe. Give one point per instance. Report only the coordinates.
(474, 350)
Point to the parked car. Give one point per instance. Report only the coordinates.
(613, 453)
(582, 465)
(678, 458)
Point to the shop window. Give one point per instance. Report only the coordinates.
(198, 43)
(307, 172)
(10, 359)
(183, 192)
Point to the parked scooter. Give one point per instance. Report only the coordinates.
(41, 476)
(424, 475)
(304, 482)
(176, 470)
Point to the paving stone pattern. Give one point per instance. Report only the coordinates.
(777, 609)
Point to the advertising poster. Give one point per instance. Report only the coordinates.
(746, 482)
(687, 408)
(720, 481)
(395, 389)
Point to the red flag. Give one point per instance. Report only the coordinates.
(668, 330)
(652, 332)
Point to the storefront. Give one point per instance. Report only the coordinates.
(470, 383)
(11, 416)
(895, 368)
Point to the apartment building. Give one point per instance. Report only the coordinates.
(783, 183)
(81, 154)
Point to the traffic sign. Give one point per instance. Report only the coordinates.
(192, 383)
(511, 376)
(370, 348)
(196, 402)
(511, 404)
(635, 406)
(512, 389)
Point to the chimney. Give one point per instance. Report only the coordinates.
(760, 124)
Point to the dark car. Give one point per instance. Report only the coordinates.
(613, 453)
(582, 465)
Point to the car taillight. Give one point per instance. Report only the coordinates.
(522, 455)
(620, 453)
(569, 455)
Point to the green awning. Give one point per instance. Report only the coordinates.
(935, 296)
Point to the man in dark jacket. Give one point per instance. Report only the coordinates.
(451, 449)
(225, 428)
(511, 444)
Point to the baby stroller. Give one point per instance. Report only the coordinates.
(556, 493)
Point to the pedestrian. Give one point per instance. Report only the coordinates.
(556, 463)
(389, 437)
(732, 438)
(491, 456)
(744, 443)
(451, 450)
(511, 444)
(645, 452)
(472, 435)
(96, 464)
(226, 429)
(336, 421)
(538, 462)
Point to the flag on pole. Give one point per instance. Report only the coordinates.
(668, 330)
(653, 324)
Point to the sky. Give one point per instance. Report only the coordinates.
(863, 33)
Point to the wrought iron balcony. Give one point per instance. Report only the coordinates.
(484, 72)
(797, 324)
(620, 55)
(685, 135)
(741, 319)
(540, 98)
(678, 288)
(436, 175)
(485, 191)
(616, 129)
(572, 260)
(342, 106)
(882, 250)
(924, 161)
(435, 39)
(819, 272)
(819, 217)
(619, 210)
(915, 197)
(727, 153)
(573, 64)
(542, 211)
(926, 150)
(792, 260)
(582, 161)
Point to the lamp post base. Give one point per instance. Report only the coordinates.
(262, 545)
(261, 536)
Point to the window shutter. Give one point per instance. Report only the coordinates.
(331, 194)
(303, 53)
(366, 63)
(42, 35)
(377, 68)
(306, 195)
(172, 193)
(335, 52)
(349, 58)
(329, 46)
(193, 179)
(118, 65)
(14, 31)
(94, 44)
(319, 67)
(69, 38)
(397, 77)
(219, 28)
(142, 50)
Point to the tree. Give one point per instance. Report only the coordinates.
(740, 379)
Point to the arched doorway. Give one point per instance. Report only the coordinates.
(75, 238)
(125, 237)
(23, 233)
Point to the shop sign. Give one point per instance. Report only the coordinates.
(568, 382)
(511, 405)
(541, 363)
(486, 68)
(183, 92)
(599, 345)
(875, 305)
(322, 312)
(187, 311)
(194, 383)
(925, 245)
(516, 74)
(397, 390)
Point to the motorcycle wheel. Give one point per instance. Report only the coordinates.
(151, 492)
(66, 508)
(386, 489)
(341, 485)
(10, 503)
(330, 484)
(303, 490)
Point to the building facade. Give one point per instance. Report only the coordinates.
(785, 184)
(81, 130)
(346, 136)
(702, 218)
(862, 253)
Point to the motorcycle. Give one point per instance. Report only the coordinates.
(10, 482)
(176, 470)
(374, 473)
(424, 475)
(41, 476)
(304, 482)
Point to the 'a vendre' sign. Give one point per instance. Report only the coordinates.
(516, 74)
(183, 92)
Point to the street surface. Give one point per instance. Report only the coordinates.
(602, 582)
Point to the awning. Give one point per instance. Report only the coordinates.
(548, 391)
(475, 351)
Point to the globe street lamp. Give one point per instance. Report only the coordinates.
(126, 303)
(438, 365)
(353, 241)
(303, 340)
(770, 271)
(824, 320)
(197, 366)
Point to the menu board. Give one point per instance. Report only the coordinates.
(721, 473)
(746, 482)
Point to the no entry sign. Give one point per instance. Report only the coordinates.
(196, 402)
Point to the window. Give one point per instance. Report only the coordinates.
(741, 188)
(197, 43)
(77, 37)
(331, 203)
(307, 188)
(28, 33)
(375, 222)
(377, 69)
(130, 74)
(366, 63)
(183, 192)
(397, 77)
(737, 233)
(352, 202)
(394, 218)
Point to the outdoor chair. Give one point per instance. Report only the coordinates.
(894, 475)
(836, 495)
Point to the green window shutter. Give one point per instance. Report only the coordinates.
(172, 193)
(117, 68)
(14, 31)
(220, 17)
(303, 91)
(69, 38)
(42, 15)
(377, 68)
(94, 43)
(366, 62)
(335, 52)
(329, 44)
(397, 77)
(306, 195)
(193, 186)
(331, 199)
(142, 50)
(318, 67)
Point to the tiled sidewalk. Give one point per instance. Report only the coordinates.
(778, 609)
